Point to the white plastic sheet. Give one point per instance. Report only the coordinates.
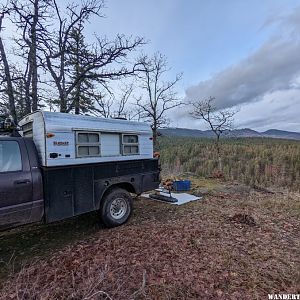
(181, 197)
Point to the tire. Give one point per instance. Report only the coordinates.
(116, 207)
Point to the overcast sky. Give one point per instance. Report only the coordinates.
(244, 53)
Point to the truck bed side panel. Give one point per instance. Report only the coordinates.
(74, 190)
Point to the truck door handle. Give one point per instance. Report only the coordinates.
(25, 181)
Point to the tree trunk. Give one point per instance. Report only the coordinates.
(154, 131)
(154, 137)
(77, 100)
(219, 154)
(77, 70)
(9, 87)
(33, 57)
(63, 104)
(27, 79)
(62, 93)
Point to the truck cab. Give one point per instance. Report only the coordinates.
(21, 188)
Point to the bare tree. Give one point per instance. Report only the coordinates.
(19, 91)
(30, 18)
(100, 62)
(114, 104)
(19, 84)
(51, 40)
(103, 105)
(219, 121)
(56, 46)
(159, 94)
(123, 100)
(7, 78)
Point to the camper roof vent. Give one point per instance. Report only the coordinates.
(118, 116)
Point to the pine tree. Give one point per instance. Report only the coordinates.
(81, 98)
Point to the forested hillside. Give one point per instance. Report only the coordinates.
(236, 133)
(264, 162)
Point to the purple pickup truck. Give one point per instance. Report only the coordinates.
(31, 192)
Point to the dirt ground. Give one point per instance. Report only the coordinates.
(235, 243)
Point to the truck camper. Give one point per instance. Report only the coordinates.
(65, 165)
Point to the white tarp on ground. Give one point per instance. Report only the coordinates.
(181, 197)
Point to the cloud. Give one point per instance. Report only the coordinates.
(273, 67)
(272, 112)
(275, 110)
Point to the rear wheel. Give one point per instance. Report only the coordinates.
(116, 207)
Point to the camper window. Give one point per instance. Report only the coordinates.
(130, 144)
(27, 130)
(88, 144)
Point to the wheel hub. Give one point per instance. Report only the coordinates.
(118, 208)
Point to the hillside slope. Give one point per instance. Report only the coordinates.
(246, 132)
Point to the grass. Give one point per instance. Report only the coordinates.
(195, 251)
(263, 162)
(22, 245)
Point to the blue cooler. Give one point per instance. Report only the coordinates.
(182, 185)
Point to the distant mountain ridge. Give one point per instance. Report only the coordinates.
(246, 132)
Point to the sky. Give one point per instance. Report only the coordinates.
(246, 54)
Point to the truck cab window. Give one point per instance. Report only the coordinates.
(10, 156)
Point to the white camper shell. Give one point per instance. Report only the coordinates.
(66, 139)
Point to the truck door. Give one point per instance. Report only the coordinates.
(15, 183)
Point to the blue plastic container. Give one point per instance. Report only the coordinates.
(182, 185)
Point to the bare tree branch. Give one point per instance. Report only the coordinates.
(100, 63)
(160, 95)
(219, 121)
(7, 72)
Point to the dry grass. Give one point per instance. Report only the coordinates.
(195, 251)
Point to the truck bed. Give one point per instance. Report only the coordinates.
(74, 190)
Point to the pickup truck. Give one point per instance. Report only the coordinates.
(31, 192)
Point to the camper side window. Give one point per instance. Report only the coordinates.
(130, 144)
(88, 144)
(27, 130)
